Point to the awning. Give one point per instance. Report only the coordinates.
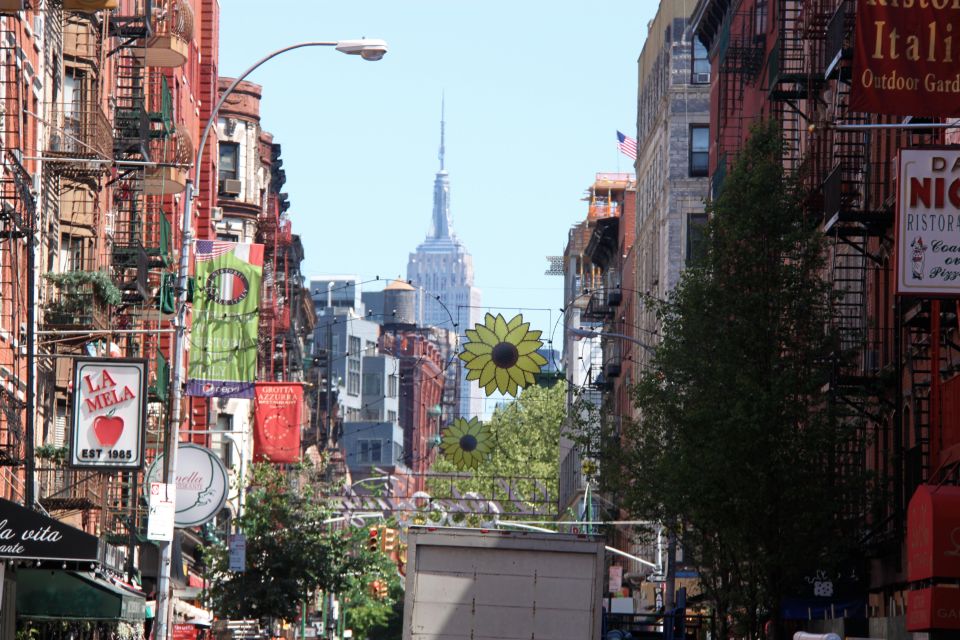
(43, 594)
(28, 535)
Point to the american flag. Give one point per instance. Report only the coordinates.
(210, 249)
(627, 145)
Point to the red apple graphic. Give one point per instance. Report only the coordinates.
(108, 429)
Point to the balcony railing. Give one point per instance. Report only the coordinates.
(89, 6)
(78, 132)
(598, 308)
(601, 210)
(76, 306)
(62, 488)
(174, 153)
(172, 32)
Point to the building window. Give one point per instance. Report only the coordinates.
(229, 166)
(701, 64)
(760, 10)
(696, 237)
(699, 150)
(369, 451)
(371, 384)
(353, 366)
(392, 383)
(391, 415)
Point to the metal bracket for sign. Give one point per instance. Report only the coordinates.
(895, 125)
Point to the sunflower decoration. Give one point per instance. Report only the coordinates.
(503, 355)
(466, 444)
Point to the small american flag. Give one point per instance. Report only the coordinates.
(627, 145)
(210, 249)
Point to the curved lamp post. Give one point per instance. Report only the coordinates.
(366, 49)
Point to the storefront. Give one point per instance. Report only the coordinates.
(53, 582)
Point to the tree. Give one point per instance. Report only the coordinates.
(526, 440)
(734, 441)
(292, 552)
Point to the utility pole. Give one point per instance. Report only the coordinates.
(330, 442)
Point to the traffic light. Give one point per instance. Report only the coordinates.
(389, 540)
(373, 542)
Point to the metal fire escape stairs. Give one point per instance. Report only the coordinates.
(740, 50)
(17, 222)
(137, 121)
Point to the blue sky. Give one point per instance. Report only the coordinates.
(535, 92)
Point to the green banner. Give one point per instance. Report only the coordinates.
(223, 343)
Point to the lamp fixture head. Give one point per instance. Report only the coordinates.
(368, 49)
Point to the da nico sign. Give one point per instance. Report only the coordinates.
(109, 413)
(928, 222)
(201, 484)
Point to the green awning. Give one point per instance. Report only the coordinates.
(43, 594)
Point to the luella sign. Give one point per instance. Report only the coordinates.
(201, 484)
(28, 535)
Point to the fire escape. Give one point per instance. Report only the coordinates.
(78, 149)
(152, 153)
(18, 210)
(740, 44)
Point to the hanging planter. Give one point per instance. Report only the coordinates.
(502, 356)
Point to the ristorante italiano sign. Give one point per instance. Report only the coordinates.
(928, 222)
(907, 57)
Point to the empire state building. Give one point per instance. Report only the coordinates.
(443, 268)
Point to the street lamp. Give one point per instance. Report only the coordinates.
(368, 50)
(590, 333)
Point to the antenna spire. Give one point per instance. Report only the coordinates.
(442, 127)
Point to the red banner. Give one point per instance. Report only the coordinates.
(278, 407)
(905, 59)
(933, 533)
(933, 608)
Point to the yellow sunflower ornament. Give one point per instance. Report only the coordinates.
(466, 444)
(502, 355)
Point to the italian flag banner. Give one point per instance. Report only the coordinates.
(223, 342)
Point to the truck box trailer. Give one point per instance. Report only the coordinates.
(481, 584)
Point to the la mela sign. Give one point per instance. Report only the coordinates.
(109, 413)
(928, 222)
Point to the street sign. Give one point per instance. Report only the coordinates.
(238, 552)
(162, 503)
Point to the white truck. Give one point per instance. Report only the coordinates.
(485, 584)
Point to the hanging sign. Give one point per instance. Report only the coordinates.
(616, 578)
(224, 338)
(162, 511)
(928, 222)
(28, 535)
(237, 545)
(109, 413)
(904, 61)
(201, 484)
(278, 410)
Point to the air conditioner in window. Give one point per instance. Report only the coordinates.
(230, 187)
(701, 78)
(216, 214)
